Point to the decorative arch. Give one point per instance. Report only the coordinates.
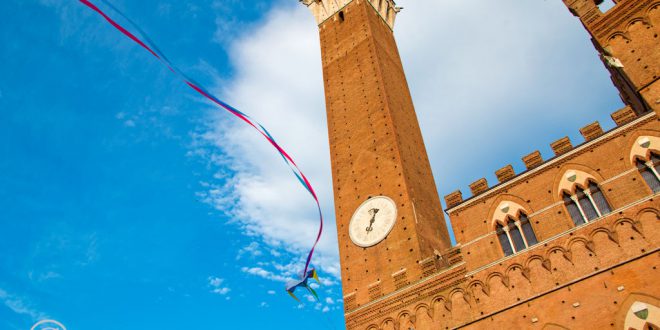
(513, 267)
(589, 245)
(632, 314)
(385, 321)
(572, 179)
(440, 299)
(484, 287)
(425, 306)
(621, 34)
(506, 209)
(642, 20)
(643, 147)
(565, 253)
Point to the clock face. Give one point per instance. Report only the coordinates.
(372, 221)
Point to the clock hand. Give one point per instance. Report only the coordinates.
(373, 213)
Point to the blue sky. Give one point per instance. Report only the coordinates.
(128, 202)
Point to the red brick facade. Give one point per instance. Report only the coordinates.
(571, 243)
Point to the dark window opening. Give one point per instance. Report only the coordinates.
(504, 240)
(573, 210)
(341, 16)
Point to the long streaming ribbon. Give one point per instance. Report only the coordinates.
(145, 42)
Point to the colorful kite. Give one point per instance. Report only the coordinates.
(303, 283)
(145, 42)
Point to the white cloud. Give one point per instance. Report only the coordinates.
(217, 287)
(19, 305)
(325, 309)
(472, 66)
(329, 300)
(251, 250)
(260, 272)
(271, 292)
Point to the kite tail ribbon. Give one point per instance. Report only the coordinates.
(145, 42)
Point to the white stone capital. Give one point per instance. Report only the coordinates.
(326, 9)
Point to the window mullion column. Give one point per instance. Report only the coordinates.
(508, 235)
(577, 203)
(591, 199)
(522, 233)
(649, 164)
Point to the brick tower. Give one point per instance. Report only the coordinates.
(376, 150)
(572, 242)
(626, 36)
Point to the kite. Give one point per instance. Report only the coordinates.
(303, 283)
(145, 42)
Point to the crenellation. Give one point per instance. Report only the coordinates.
(454, 198)
(561, 146)
(479, 186)
(505, 173)
(591, 131)
(623, 116)
(533, 160)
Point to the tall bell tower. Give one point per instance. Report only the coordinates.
(626, 36)
(389, 218)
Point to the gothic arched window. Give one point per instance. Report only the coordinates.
(586, 204)
(516, 235)
(649, 171)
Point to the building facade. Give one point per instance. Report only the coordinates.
(570, 243)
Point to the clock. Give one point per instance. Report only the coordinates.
(372, 221)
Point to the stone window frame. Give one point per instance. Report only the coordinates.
(645, 156)
(509, 215)
(584, 198)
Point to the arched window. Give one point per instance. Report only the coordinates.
(586, 204)
(516, 236)
(649, 171)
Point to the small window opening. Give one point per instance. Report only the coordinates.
(341, 16)
(605, 5)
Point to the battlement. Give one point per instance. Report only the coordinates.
(326, 9)
(534, 160)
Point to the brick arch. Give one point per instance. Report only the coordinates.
(423, 305)
(583, 172)
(484, 287)
(565, 253)
(643, 20)
(513, 267)
(612, 235)
(621, 34)
(647, 210)
(436, 299)
(655, 6)
(455, 291)
(495, 274)
(373, 327)
(384, 323)
(554, 326)
(580, 239)
(533, 257)
(403, 313)
(620, 221)
(633, 223)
